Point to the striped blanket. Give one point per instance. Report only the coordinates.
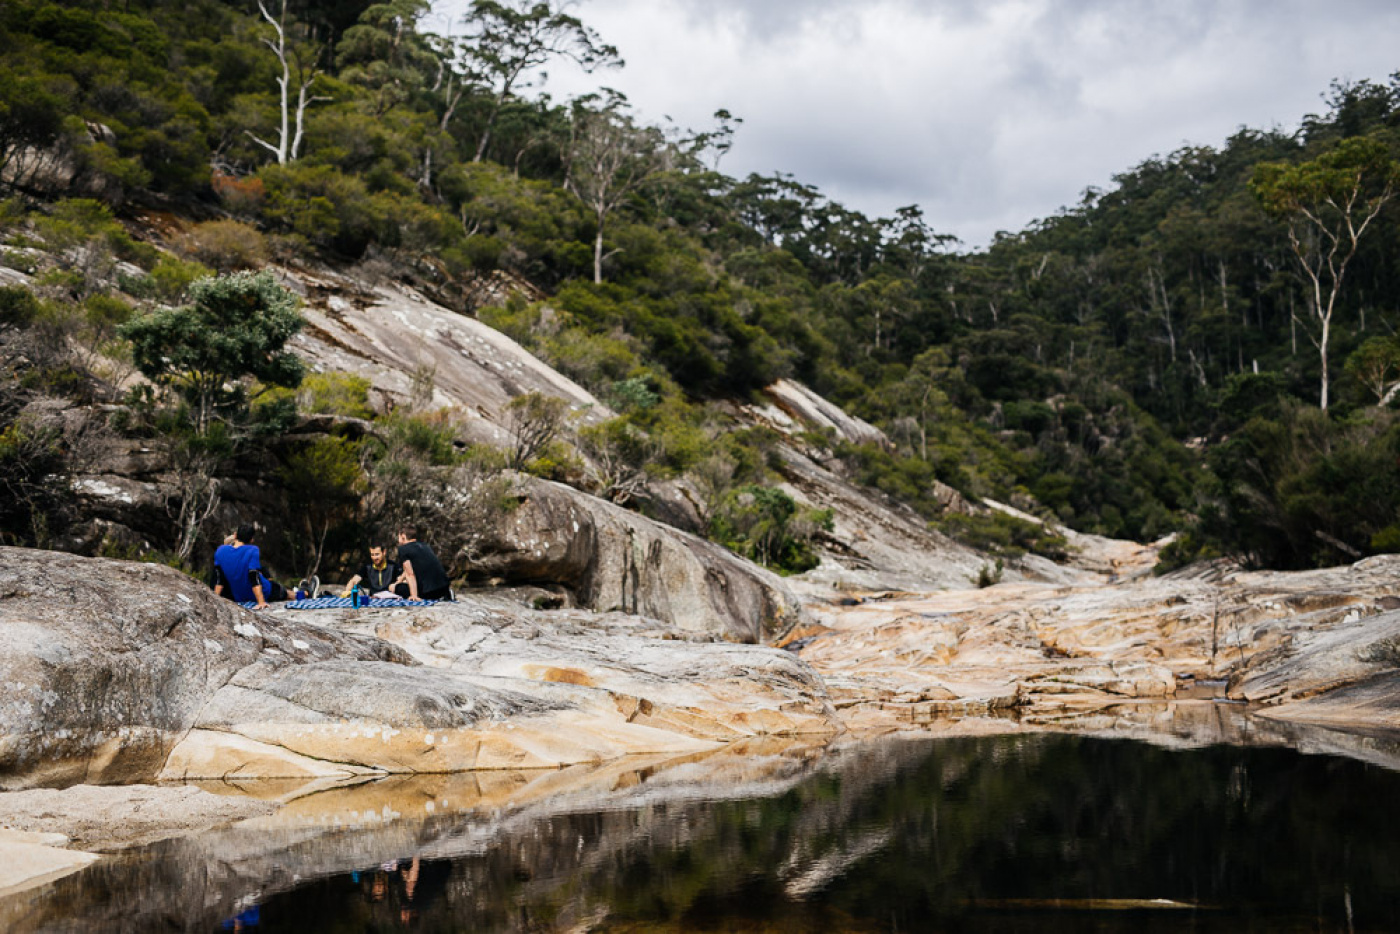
(332, 603)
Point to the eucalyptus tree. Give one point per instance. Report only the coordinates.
(1328, 203)
(298, 68)
(505, 39)
(386, 53)
(611, 158)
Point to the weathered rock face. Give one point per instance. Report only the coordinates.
(499, 687)
(1334, 666)
(712, 691)
(1056, 651)
(613, 559)
(121, 672)
(792, 408)
(877, 543)
(389, 332)
(107, 663)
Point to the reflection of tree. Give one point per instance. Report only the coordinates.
(900, 835)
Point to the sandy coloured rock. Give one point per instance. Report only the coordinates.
(123, 672)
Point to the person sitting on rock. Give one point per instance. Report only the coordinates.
(238, 572)
(422, 576)
(378, 575)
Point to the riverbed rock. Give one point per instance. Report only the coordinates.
(711, 691)
(893, 658)
(107, 663)
(498, 687)
(124, 672)
(1335, 672)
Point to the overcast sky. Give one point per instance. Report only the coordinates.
(987, 113)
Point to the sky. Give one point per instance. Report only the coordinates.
(988, 114)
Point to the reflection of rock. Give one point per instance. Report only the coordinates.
(29, 859)
(521, 818)
(613, 559)
(122, 672)
(613, 839)
(101, 817)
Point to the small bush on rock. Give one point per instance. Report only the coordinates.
(225, 245)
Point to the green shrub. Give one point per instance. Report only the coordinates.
(225, 245)
(335, 393)
(432, 437)
(1004, 536)
(990, 575)
(18, 307)
(765, 525)
(172, 278)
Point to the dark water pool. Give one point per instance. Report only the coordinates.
(1041, 832)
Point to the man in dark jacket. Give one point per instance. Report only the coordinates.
(377, 575)
(422, 577)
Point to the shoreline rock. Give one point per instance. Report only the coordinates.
(124, 672)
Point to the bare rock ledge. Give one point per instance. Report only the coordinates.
(117, 672)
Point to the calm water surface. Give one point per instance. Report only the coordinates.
(1044, 832)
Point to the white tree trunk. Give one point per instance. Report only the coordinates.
(288, 145)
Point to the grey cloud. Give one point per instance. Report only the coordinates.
(989, 113)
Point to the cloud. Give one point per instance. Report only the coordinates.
(988, 113)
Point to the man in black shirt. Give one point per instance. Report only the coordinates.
(378, 575)
(422, 571)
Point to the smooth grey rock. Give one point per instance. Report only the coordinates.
(106, 664)
(123, 672)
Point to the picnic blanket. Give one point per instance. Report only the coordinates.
(332, 603)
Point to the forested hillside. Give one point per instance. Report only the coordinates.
(1206, 347)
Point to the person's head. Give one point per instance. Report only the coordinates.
(245, 533)
(376, 553)
(407, 534)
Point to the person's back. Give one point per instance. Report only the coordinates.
(238, 570)
(233, 562)
(422, 566)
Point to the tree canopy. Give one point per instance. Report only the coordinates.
(1131, 365)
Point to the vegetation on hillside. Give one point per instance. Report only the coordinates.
(1206, 347)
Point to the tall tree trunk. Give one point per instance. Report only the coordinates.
(490, 125)
(598, 255)
(1322, 352)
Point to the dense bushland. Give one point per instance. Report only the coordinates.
(1210, 296)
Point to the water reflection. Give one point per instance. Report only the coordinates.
(1030, 832)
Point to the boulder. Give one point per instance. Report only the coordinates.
(613, 559)
(793, 408)
(107, 663)
(1343, 672)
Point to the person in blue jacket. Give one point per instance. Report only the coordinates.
(238, 572)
